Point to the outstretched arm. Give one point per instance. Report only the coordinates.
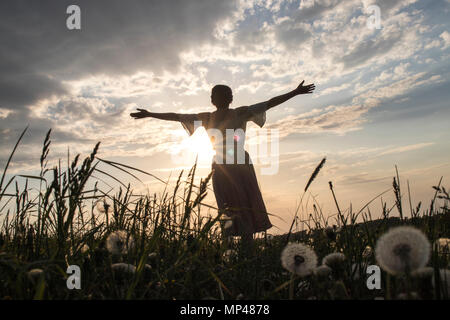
(171, 116)
(301, 89)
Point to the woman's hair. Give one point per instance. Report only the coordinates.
(222, 95)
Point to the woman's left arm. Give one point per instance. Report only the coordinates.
(301, 89)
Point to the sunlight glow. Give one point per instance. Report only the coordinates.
(197, 144)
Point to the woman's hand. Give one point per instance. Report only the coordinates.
(301, 89)
(141, 114)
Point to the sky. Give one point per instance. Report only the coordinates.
(381, 100)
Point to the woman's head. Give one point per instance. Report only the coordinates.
(221, 96)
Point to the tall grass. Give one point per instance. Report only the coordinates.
(179, 251)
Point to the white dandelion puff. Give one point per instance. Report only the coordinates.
(322, 271)
(118, 243)
(299, 259)
(402, 249)
(123, 268)
(334, 260)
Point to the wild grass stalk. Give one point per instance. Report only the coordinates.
(179, 249)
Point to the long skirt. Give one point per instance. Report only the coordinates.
(238, 196)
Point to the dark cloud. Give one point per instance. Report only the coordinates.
(291, 35)
(38, 53)
(18, 90)
(369, 49)
(116, 37)
(387, 6)
(15, 123)
(319, 7)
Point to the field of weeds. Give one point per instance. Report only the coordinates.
(130, 246)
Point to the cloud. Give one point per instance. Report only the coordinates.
(17, 90)
(331, 90)
(362, 178)
(336, 119)
(389, 6)
(76, 81)
(347, 118)
(167, 55)
(398, 88)
(369, 49)
(313, 9)
(407, 148)
(446, 38)
(38, 51)
(292, 34)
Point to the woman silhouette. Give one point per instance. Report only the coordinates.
(234, 182)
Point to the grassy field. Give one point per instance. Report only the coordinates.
(131, 246)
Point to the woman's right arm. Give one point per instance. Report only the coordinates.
(171, 116)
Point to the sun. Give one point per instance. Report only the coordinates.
(198, 145)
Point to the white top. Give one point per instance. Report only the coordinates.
(226, 129)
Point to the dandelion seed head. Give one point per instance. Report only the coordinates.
(334, 260)
(299, 259)
(322, 271)
(402, 249)
(118, 243)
